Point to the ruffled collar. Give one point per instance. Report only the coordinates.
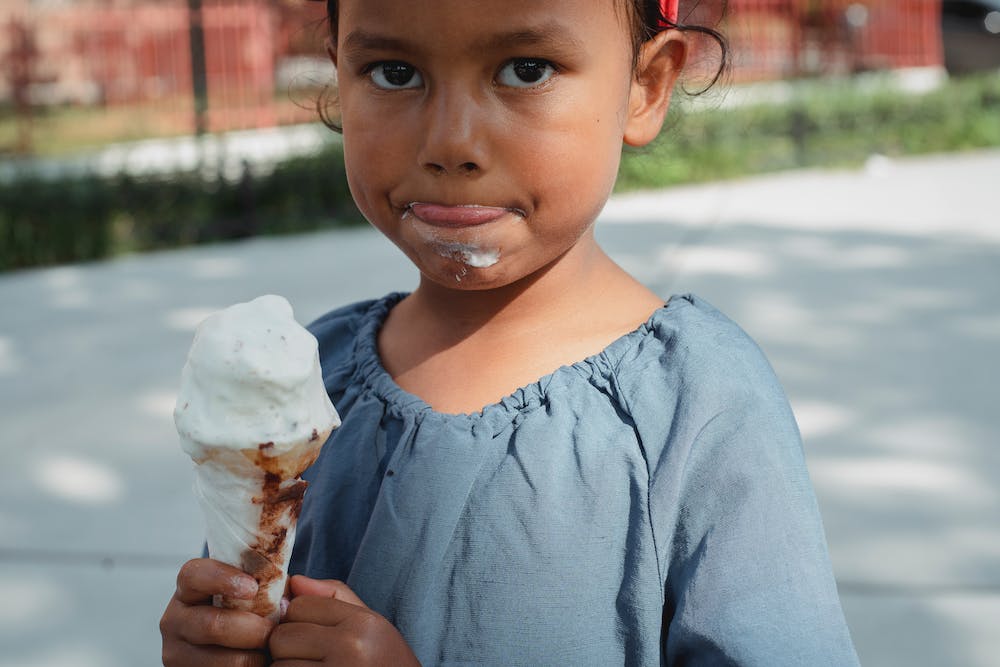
(370, 372)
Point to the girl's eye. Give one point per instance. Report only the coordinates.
(395, 76)
(525, 72)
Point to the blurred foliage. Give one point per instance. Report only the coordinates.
(83, 218)
(825, 124)
(56, 221)
(50, 223)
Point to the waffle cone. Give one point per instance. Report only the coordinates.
(251, 500)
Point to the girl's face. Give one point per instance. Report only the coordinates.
(483, 138)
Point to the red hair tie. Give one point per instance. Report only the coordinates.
(668, 10)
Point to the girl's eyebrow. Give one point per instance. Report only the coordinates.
(366, 41)
(551, 35)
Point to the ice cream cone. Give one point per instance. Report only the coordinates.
(253, 414)
(251, 503)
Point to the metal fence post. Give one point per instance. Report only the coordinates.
(199, 81)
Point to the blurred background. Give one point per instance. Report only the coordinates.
(170, 122)
(835, 193)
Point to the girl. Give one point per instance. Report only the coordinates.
(540, 462)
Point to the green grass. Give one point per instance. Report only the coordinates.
(62, 131)
(67, 130)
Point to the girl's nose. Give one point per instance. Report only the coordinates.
(455, 136)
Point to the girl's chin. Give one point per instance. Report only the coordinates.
(461, 264)
(458, 275)
(488, 270)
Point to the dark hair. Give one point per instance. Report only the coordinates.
(645, 18)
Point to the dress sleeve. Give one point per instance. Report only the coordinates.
(747, 576)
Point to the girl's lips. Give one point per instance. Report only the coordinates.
(458, 216)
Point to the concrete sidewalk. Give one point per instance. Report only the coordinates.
(873, 292)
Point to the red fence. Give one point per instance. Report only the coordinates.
(123, 53)
(782, 38)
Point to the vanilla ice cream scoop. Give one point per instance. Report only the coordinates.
(253, 413)
(252, 377)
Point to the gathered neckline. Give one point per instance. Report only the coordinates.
(370, 371)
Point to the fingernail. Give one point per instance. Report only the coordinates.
(283, 608)
(245, 587)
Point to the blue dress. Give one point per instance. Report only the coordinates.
(648, 505)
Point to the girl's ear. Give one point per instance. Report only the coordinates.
(331, 50)
(660, 62)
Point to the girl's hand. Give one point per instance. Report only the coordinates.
(196, 633)
(327, 623)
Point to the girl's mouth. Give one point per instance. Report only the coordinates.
(465, 215)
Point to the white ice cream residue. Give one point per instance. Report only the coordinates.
(475, 250)
(469, 254)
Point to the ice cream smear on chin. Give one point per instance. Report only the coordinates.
(253, 413)
(469, 254)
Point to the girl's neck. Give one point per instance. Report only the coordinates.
(513, 335)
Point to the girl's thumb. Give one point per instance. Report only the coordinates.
(327, 588)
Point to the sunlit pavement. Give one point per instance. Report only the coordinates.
(874, 292)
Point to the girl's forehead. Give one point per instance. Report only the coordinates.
(455, 20)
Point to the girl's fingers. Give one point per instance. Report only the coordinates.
(300, 641)
(296, 663)
(334, 632)
(185, 655)
(203, 625)
(201, 578)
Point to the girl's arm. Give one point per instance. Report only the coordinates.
(748, 576)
